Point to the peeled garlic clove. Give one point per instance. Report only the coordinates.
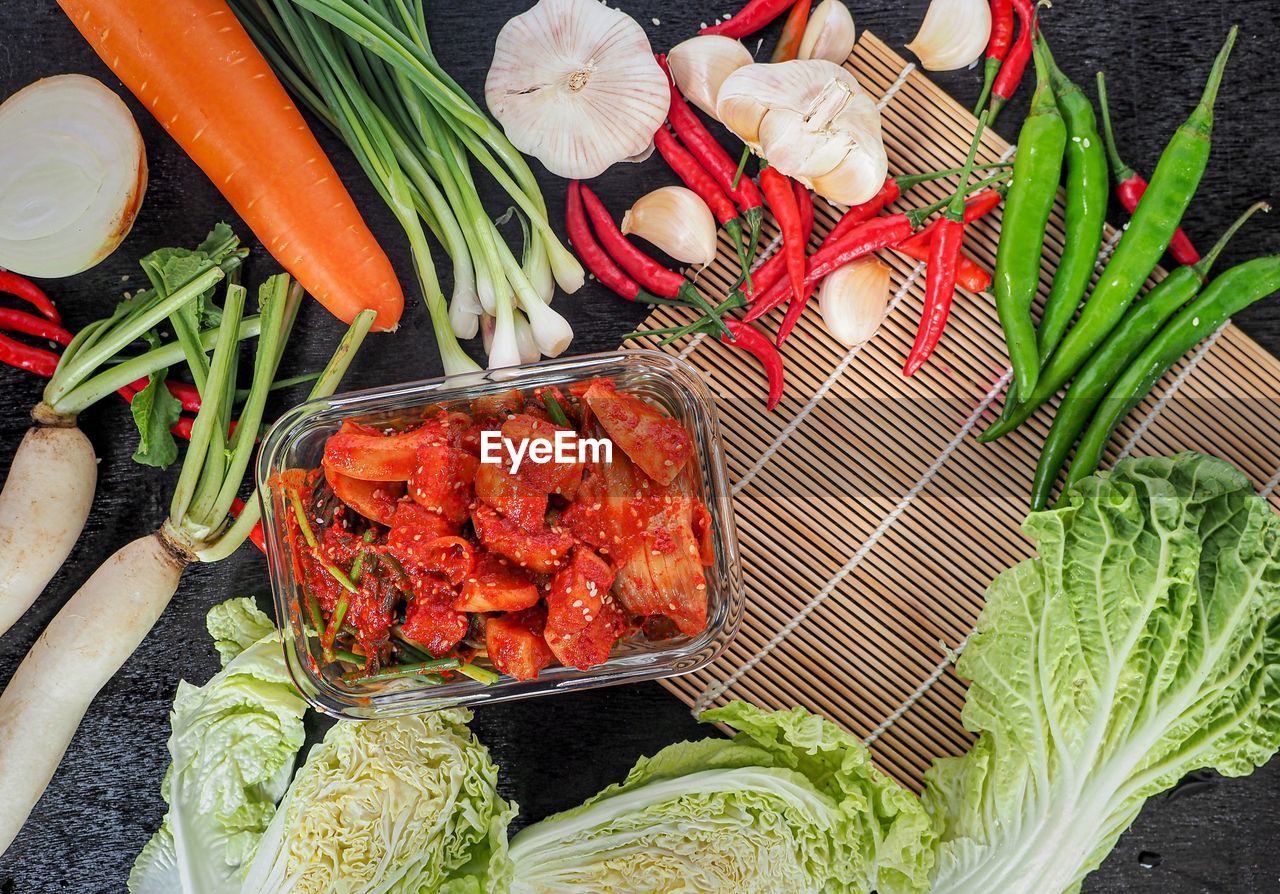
(574, 84)
(755, 90)
(700, 65)
(853, 300)
(677, 221)
(812, 121)
(830, 33)
(953, 34)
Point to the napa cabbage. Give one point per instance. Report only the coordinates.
(233, 746)
(398, 806)
(790, 805)
(1142, 644)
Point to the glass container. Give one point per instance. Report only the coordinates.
(297, 441)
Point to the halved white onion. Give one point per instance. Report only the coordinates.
(73, 171)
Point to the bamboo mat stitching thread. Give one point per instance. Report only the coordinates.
(713, 691)
(827, 384)
(952, 655)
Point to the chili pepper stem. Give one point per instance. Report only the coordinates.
(988, 81)
(742, 167)
(736, 236)
(911, 181)
(1205, 264)
(1119, 169)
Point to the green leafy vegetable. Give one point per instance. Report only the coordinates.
(233, 746)
(396, 806)
(790, 805)
(1143, 644)
(155, 411)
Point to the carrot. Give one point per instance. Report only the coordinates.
(192, 66)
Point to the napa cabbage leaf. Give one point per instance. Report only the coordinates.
(790, 805)
(1142, 644)
(233, 745)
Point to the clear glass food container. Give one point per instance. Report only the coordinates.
(297, 441)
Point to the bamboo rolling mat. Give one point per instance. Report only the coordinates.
(870, 520)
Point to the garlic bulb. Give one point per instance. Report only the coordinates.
(574, 84)
(830, 33)
(700, 65)
(953, 34)
(853, 300)
(813, 122)
(677, 221)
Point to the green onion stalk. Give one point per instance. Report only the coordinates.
(366, 69)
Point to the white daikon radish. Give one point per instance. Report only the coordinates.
(43, 508)
(81, 649)
(104, 622)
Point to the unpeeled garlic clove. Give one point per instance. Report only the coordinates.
(953, 34)
(830, 33)
(677, 221)
(853, 300)
(701, 64)
(574, 84)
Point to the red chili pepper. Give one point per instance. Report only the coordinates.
(751, 18)
(645, 270)
(788, 47)
(970, 275)
(751, 340)
(775, 267)
(940, 289)
(188, 394)
(1015, 63)
(237, 506)
(859, 214)
(976, 207)
(648, 272)
(714, 159)
(782, 200)
(25, 289)
(37, 360)
(804, 200)
(29, 324)
(870, 236)
(1130, 185)
(944, 258)
(695, 176)
(997, 47)
(593, 256)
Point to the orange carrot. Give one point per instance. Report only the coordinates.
(196, 70)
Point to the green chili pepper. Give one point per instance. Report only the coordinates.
(1227, 295)
(1036, 171)
(1154, 222)
(1135, 332)
(1086, 208)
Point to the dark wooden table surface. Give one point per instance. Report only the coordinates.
(1209, 836)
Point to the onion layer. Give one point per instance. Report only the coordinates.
(73, 171)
